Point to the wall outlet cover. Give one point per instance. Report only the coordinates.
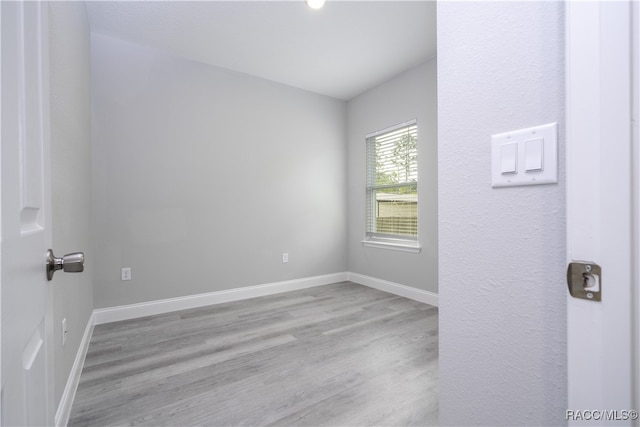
(65, 331)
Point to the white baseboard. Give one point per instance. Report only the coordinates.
(150, 308)
(395, 288)
(68, 395)
(133, 311)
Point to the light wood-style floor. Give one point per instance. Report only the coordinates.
(335, 355)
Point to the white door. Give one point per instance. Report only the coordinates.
(25, 233)
(600, 211)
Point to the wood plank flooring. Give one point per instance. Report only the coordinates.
(335, 355)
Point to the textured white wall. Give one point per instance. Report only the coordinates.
(203, 177)
(410, 95)
(502, 251)
(70, 87)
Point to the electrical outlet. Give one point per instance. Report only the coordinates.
(285, 257)
(125, 273)
(65, 331)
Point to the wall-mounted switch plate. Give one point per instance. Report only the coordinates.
(525, 157)
(285, 257)
(65, 331)
(125, 273)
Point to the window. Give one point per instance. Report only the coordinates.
(392, 187)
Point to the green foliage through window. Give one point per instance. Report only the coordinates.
(392, 182)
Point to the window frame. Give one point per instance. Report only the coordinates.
(400, 242)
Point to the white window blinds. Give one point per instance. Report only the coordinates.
(392, 183)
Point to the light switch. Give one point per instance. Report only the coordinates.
(509, 158)
(525, 156)
(533, 154)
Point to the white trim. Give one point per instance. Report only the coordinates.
(599, 204)
(395, 288)
(133, 311)
(414, 248)
(392, 128)
(69, 393)
(150, 308)
(635, 119)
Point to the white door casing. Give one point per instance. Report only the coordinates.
(25, 206)
(635, 57)
(600, 222)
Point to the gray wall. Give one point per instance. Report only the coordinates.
(409, 95)
(203, 177)
(197, 170)
(502, 251)
(70, 90)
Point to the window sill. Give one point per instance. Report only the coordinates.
(412, 247)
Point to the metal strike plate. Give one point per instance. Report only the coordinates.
(585, 280)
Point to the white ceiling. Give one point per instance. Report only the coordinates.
(340, 51)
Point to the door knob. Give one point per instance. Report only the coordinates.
(70, 263)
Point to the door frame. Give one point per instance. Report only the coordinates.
(0, 206)
(635, 118)
(601, 217)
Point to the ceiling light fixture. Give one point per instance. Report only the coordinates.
(315, 4)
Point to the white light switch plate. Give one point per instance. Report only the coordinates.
(548, 174)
